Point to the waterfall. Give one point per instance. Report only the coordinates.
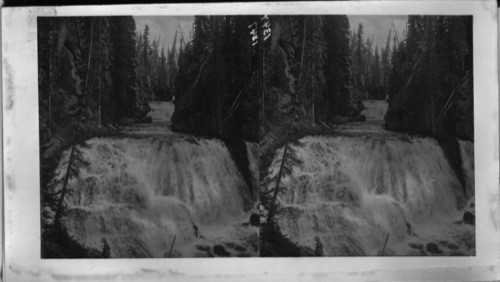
(467, 155)
(351, 192)
(253, 160)
(140, 193)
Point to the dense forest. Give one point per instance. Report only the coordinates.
(217, 79)
(95, 75)
(319, 72)
(87, 84)
(257, 78)
(370, 68)
(430, 84)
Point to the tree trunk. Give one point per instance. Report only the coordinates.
(302, 56)
(99, 99)
(260, 38)
(313, 115)
(49, 114)
(99, 117)
(64, 189)
(219, 110)
(272, 209)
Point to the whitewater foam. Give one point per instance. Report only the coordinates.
(351, 192)
(140, 193)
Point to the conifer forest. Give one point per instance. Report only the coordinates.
(256, 135)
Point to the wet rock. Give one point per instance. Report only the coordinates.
(472, 205)
(433, 249)
(456, 254)
(255, 219)
(204, 248)
(416, 246)
(229, 245)
(452, 246)
(469, 218)
(240, 248)
(220, 251)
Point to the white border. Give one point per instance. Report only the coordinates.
(21, 165)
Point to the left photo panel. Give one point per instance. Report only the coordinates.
(149, 136)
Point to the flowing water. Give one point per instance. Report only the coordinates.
(351, 193)
(140, 193)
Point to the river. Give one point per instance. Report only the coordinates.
(365, 185)
(151, 186)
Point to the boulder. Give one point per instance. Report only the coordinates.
(255, 219)
(469, 218)
(220, 251)
(433, 249)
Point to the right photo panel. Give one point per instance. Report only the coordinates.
(366, 136)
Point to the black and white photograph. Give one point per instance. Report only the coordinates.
(368, 144)
(256, 141)
(148, 137)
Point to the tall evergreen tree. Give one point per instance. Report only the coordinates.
(123, 74)
(431, 78)
(337, 66)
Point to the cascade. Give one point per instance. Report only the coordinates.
(351, 192)
(140, 193)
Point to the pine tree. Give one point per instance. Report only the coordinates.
(430, 70)
(123, 76)
(337, 66)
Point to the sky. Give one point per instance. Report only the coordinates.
(379, 26)
(164, 27)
